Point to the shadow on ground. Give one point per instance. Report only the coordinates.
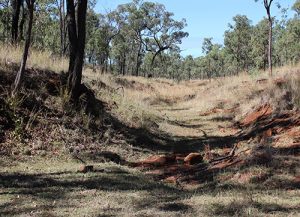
(44, 188)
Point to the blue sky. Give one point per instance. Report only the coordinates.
(206, 18)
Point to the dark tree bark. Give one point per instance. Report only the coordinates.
(124, 65)
(76, 32)
(138, 60)
(20, 75)
(267, 4)
(22, 22)
(72, 33)
(16, 7)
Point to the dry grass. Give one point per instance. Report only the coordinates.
(37, 59)
(167, 102)
(28, 188)
(51, 185)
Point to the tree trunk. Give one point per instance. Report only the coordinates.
(20, 75)
(16, 6)
(76, 32)
(22, 22)
(268, 9)
(72, 33)
(138, 62)
(270, 46)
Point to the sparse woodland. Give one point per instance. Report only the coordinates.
(102, 115)
(142, 38)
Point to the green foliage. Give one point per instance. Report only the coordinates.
(144, 27)
(259, 44)
(237, 43)
(287, 46)
(143, 38)
(5, 19)
(254, 73)
(296, 7)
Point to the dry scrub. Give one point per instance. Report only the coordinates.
(139, 118)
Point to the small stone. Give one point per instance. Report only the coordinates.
(27, 152)
(193, 158)
(16, 152)
(86, 168)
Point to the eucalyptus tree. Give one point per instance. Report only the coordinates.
(207, 45)
(212, 63)
(101, 29)
(287, 46)
(216, 57)
(5, 19)
(267, 5)
(163, 32)
(46, 29)
(237, 43)
(146, 27)
(129, 19)
(174, 67)
(92, 35)
(20, 74)
(296, 7)
(188, 65)
(60, 4)
(259, 44)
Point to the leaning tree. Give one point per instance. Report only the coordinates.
(20, 74)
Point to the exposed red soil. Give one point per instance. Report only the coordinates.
(262, 112)
(164, 167)
(283, 128)
(194, 168)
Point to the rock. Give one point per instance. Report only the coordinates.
(171, 179)
(280, 82)
(16, 152)
(193, 158)
(268, 133)
(27, 152)
(86, 168)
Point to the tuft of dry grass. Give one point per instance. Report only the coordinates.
(44, 60)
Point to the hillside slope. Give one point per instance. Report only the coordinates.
(245, 130)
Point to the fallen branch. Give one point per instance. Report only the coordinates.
(230, 155)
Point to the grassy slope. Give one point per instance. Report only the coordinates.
(39, 177)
